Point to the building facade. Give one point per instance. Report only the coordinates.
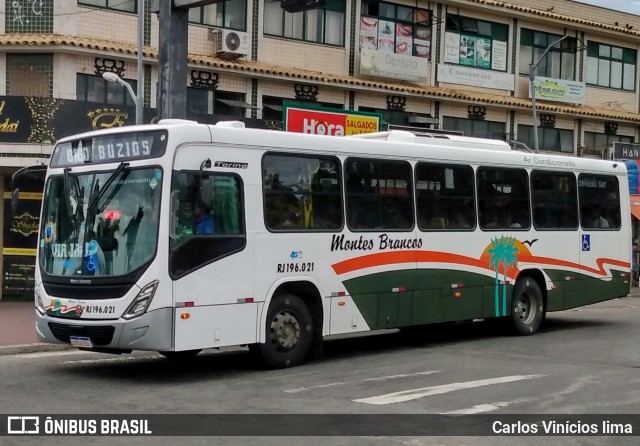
(454, 65)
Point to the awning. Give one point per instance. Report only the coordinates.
(274, 107)
(238, 104)
(635, 210)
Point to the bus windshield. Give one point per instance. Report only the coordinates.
(100, 223)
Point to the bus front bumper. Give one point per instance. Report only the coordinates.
(152, 331)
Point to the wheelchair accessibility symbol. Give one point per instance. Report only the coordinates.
(586, 242)
(92, 263)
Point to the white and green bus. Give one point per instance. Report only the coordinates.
(180, 236)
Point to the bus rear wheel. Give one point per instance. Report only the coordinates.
(527, 307)
(289, 332)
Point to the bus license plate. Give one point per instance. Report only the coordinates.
(78, 341)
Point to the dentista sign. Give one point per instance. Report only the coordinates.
(325, 121)
(393, 66)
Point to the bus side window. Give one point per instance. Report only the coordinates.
(503, 195)
(445, 196)
(379, 194)
(599, 201)
(205, 208)
(554, 200)
(301, 193)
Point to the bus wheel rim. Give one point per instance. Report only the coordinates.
(524, 308)
(285, 331)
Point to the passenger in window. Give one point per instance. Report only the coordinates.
(459, 219)
(490, 217)
(292, 221)
(204, 221)
(595, 219)
(518, 219)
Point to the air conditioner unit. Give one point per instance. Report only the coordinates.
(232, 43)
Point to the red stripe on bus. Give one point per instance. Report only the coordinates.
(396, 257)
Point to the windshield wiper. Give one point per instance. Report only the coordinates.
(93, 202)
(66, 190)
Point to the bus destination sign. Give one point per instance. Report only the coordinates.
(110, 148)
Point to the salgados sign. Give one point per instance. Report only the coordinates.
(327, 121)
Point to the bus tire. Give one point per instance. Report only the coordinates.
(289, 332)
(527, 307)
(180, 356)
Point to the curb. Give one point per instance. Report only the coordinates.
(33, 348)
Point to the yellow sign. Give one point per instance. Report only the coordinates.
(361, 124)
(18, 252)
(26, 195)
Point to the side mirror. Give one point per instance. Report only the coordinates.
(15, 199)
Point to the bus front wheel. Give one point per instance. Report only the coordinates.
(289, 332)
(527, 307)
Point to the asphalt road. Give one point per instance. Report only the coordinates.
(583, 361)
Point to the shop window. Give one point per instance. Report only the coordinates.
(397, 29)
(321, 25)
(272, 108)
(476, 43)
(30, 75)
(230, 14)
(116, 5)
(91, 88)
(611, 66)
(209, 102)
(478, 129)
(389, 117)
(550, 139)
(598, 143)
(558, 63)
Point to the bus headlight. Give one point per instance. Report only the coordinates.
(38, 301)
(141, 302)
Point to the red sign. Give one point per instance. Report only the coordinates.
(325, 122)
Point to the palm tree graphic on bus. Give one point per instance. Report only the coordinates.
(503, 250)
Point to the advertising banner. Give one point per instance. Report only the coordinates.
(559, 90)
(326, 121)
(456, 74)
(20, 242)
(394, 66)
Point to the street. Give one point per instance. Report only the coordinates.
(583, 361)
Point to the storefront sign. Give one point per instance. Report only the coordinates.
(39, 120)
(559, 90)
(15, 120)
(20, 242)
(393, 66)
(326, 121)
(626, 151)
(456, 74)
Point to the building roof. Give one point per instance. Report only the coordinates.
(271, 71)
(551, 14)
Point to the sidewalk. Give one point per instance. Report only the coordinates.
(18, 333)
(17, 330)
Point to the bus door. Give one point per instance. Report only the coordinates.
(602, 239)
(209, 260)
